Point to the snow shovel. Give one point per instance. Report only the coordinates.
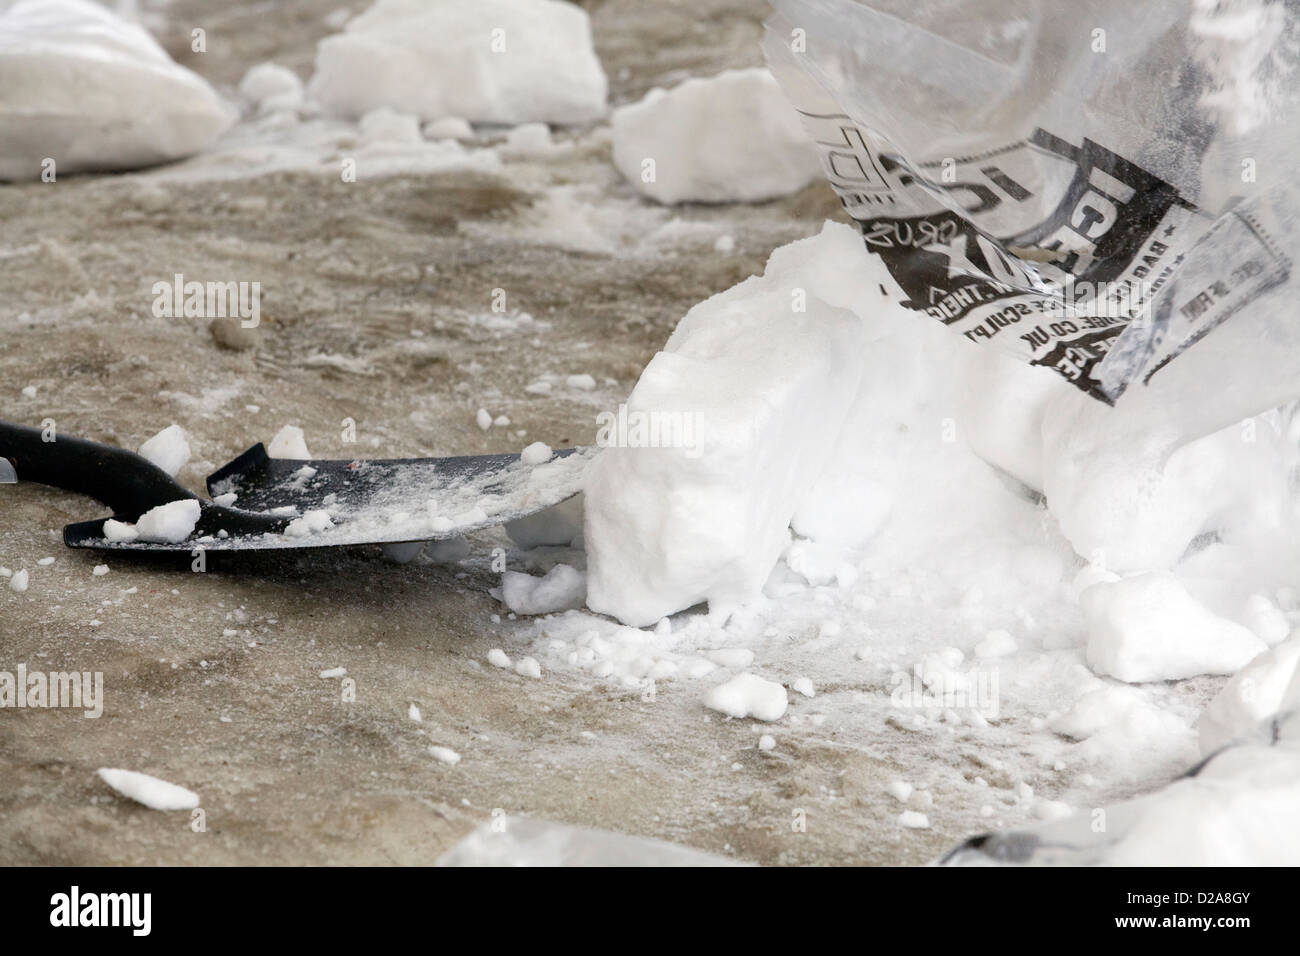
(281, 504)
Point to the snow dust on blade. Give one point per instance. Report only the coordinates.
(490, 61)
(1026, 221)
(83, 90)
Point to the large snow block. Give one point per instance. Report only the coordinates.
(733, 137)
(722, 438)
(92, 92)
(489, 61)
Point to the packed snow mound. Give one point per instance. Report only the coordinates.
(93, 92)
(733, 137)
(491, 61)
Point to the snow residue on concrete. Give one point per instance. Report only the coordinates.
(153, 793)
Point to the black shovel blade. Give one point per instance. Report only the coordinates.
(281, 503)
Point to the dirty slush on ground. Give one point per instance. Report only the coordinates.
(368, 289)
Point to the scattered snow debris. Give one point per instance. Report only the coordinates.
(18, 582)
(537, 453)
(497, 658)
(147, 109)
(445, 755)
(420, 58)
(900, 790)
(169, 523)
(449, 127)
(5, 572)
(290, 443)
(748, 695)
(45, 562)
(913, 820)
(766, 742)
(271, 88)
(333, 672)
(728, 138)
(501, 421)
(100, 570)
(724, 244)
(413, 713)
(227, 500)
(804, 685)
(538, 388)
(583, 382)
(310, 523)
(169, 449)
(995, 644)
(1148, 628)
(29, 391)
(561, 589)
(153, 793)
(484, 419)
(528, 667)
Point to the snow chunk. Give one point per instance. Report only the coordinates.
(445, 755)
(484, 418)
(1254, 694)
(528, 667)
(451, 127)
(748, 695)
(310, 523)
(498, 658)
(413, 713)
(332, 672)
(1148, 628)
(731, 138)
(914, 820)
(169, 449)
(562, 589)
(169, 523)
(68, 67)
(491, 61)
(153, 793)
(18, 582)
(536, 454)
(289, 442)
(271, 87)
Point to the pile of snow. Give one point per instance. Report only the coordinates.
(491, 61)
(733, 137)
(91, 91)
(153, 793)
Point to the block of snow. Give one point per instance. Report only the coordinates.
(445, 755)
(289, 442)
(491, 61)
(1253, 694)
(91, 91)
(170, 523)
(561, 589)
(1148, 628)
(748, 695)
(728, 431)
(498, 658)
(310, 523)
(537, 453)
(914, 820)
(18, 582)
(733, 137)
(153, 793)
(169, 449)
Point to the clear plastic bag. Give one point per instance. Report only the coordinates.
(1101, 188)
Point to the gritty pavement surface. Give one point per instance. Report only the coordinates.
(372, 299)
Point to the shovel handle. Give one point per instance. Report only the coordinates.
(123, 480)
